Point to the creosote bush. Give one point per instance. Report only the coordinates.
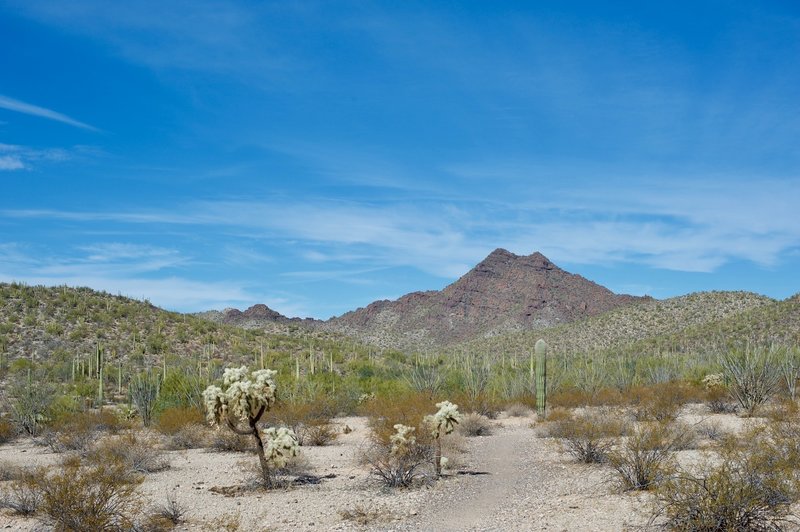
(140, 453)
(79, 431)
(589, 436)
(310, 421)
(660, 402)
(21, 495)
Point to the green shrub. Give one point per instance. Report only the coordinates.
(753, 374)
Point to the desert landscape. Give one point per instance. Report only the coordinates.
(399, 266)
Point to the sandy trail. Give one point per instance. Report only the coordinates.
(528, 485)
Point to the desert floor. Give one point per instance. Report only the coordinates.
(512, 479)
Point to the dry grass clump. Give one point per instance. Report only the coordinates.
(589, 436)
(474, 424)
(646, 456)
(518, 410)
(364, 516)
(138, 452)
(225, 441)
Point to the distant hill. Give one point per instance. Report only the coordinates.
(700, 321)
(503, 293)
(57, 323)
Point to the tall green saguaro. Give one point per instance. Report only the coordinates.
(541, 377)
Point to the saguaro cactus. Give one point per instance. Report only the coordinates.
(541, 377)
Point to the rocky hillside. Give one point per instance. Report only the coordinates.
(258, 316)
(502, 294)
(54, 325)
(700, 320)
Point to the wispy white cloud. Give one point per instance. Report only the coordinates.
(15, 157)
(11, 162)
(677, 224)
(137, 271)
(34, 110)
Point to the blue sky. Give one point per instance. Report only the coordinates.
(316, 156)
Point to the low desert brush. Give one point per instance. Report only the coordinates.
(401, 462)
(86, 497)
(751, 487)
(474, 424)
(589, 436)
(138, 452)
(646, 456)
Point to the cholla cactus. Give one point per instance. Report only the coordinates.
(246, 397)
(281, 445)
(713, 381)
(403, 440)
(443, 421)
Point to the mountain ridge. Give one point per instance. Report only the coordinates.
(504, 292)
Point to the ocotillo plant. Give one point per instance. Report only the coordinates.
(246, 398)
(443, 421)
(541, 377)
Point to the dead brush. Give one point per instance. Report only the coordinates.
(21, 496)
(474, 424)
(751, 487)
(87, 496)
(589, 436)
(364, 516)
(646, 456)
(140, 453)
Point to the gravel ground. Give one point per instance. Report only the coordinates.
(509, 480)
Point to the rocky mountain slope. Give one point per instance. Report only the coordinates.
(503, 293)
